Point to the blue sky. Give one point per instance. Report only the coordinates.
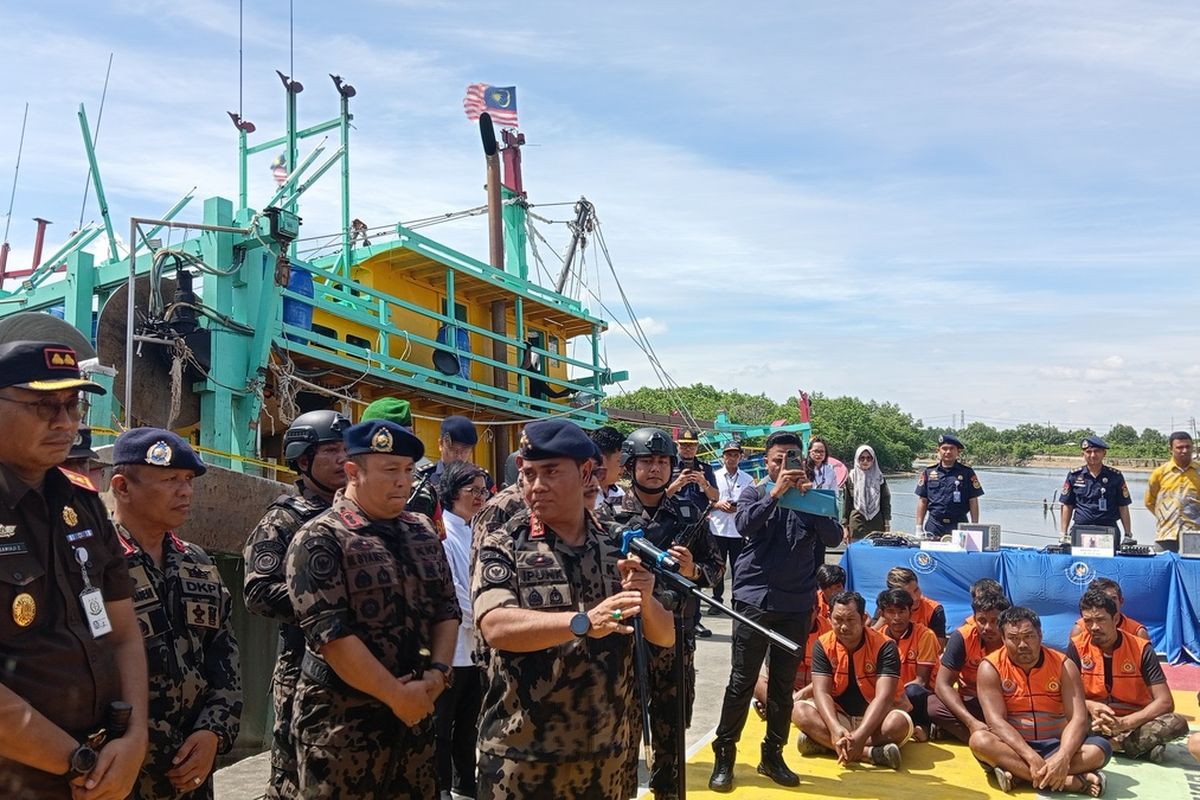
(982, 206)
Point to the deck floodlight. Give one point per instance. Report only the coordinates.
(295, 87)
(344, 89)
(243, 125)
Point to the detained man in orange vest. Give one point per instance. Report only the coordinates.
(1125, 624)
(925, 610)
(919, 653)
(1126, 692)
(1037, 721)
(955, 710)
(858, 709)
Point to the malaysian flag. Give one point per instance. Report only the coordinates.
(279, 170)
(498, 101)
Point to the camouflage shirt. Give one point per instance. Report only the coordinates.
(496, 513)
(385, 581)
(186, 618)
(265, 591)
(577, 700)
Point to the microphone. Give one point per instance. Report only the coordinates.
(636, 542)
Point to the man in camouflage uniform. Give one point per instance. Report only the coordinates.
(372, 589)
(648, 457)
(553, 598)
(185, 615)
(314, 449)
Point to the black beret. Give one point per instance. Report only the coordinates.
(156, 447)
(82, 447)
(382, 437)
(949, 438)
(460, 430)
(42, 367)
(555, 438)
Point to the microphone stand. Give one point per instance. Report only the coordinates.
(641, 662)
(686, 588)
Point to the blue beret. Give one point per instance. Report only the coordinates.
(156, 447)
(460, 430)
(382, 437)
(1094, 441)
(949, 438)
(555, 438)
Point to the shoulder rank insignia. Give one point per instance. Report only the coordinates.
(82, 481)
(351, 518)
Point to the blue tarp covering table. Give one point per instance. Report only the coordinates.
(1163, 592)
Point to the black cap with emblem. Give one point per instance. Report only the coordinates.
(42, 367)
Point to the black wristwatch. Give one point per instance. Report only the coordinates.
(446, 670)
(83, 760)
(581, 623)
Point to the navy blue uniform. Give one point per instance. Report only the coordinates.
(949, 492)
(1097, 499)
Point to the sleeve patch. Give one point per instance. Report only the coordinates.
(497, 572)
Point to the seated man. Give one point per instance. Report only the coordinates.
(1037, 721)
(918, 654)
(1126, 692)
(857, 698)
(1125, 624)
(956, 710)
(986, 586)
(926, 611)
(831, 581)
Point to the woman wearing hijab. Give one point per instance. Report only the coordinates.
(867, 503)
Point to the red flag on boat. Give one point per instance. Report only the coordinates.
(498, 101)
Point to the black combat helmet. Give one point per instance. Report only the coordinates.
(311, 429)
(648, 442)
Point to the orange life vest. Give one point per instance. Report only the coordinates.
(922, 610)
(822, 626)
(910, 648)
(822, 605)
(976, 652)
(1129, 690)
(866, 657)
(1034, 700)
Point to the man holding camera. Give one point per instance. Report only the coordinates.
(775, 586)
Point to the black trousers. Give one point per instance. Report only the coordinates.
(730, 548)
(456, 723)
(749, 650)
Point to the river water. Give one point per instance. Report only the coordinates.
(1013, 497)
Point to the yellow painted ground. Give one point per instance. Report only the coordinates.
(937, 770)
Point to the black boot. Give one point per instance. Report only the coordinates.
(773, 766)
(722, 774)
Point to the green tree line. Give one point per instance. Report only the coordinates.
(898, 438)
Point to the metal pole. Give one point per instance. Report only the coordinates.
(345, 129)
(100, 198)
(243, 191)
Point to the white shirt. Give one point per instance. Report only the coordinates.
(730, 485)
(825, 477)
(458, 553)
(612, 496)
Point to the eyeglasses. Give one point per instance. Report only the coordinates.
(48, 410)
(866, 457)
(478, 492)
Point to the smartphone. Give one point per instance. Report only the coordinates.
(792, 460)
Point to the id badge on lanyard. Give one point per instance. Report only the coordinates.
(92, 600)
(957, 490)
(1103, 501)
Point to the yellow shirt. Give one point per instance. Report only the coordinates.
(1173, 495)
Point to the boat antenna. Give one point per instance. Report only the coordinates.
(291, 38)
(13, 195)
(240, 78)
(87, 185)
